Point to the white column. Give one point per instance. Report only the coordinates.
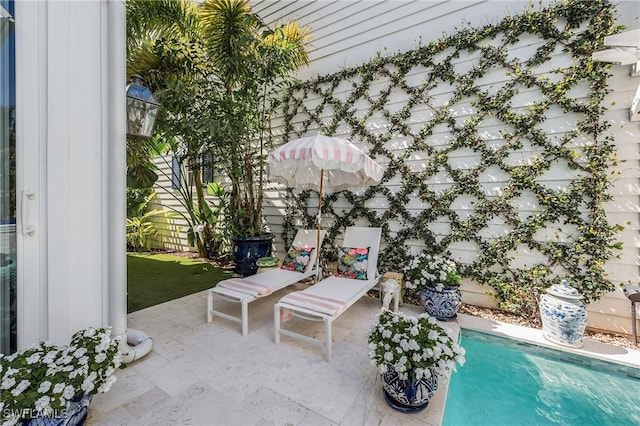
(117, 169)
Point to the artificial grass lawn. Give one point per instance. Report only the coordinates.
(154, 278)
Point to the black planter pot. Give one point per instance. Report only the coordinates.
(246, 250)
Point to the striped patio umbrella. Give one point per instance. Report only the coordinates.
(323, 163)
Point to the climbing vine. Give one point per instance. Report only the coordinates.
(462, 127)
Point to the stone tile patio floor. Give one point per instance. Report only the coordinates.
(203, 373)
(208, 374)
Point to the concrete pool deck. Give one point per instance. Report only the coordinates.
(208, 374)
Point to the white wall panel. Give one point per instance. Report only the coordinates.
(61, 65)
(349, 33)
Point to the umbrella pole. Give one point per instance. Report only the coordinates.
(318, 218)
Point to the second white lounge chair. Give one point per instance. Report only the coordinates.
(246, 290)
(327, 300)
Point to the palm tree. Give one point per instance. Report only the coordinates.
(250, 59)
(216, 69)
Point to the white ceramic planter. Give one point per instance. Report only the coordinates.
(564, 316)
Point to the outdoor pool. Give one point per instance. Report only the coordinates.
(505, 382)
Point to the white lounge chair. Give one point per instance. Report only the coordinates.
(329, 298)
(246, 290)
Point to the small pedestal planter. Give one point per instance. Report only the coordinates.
(443, 305)
(564, 316)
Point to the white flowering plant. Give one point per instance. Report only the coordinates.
(42, 379)
(412, 345)
(426, 270)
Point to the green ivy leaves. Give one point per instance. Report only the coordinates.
(526, 150)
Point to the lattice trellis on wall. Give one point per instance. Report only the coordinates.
(494, 149)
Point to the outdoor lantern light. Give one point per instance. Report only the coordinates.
(142, 109)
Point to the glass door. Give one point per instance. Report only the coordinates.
(8, 281)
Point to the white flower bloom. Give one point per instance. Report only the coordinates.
(388, 356)
(42, 403)
(103, 346)
(33, 358)
(58, 388)
(87, 386)
(44, 386)
(107, 384)
(8, 382)
(90, 332)
(79, 353)
(11, 420)
(69, 392)
(101, 357)
(24, 384)
(50, 357)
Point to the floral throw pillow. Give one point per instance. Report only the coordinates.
(352, 262)
(297, 259)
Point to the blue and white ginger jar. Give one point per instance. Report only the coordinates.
(564, 316)
(442, 304)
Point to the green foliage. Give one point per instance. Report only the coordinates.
(412, 346)
(140, 225)
(154, 278)
(485, 121)
(425, 270)
(42, 378)
(217, 70)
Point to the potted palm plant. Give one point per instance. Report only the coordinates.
(411, 354)
(438, 281)
(253, 61)
(218, 98)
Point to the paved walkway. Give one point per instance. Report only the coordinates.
(208, 374)
(203, 373)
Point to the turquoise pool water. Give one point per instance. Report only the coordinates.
(508, 383)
